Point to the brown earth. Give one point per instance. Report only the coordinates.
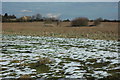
(107, 30)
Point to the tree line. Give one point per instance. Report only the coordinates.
(80, 21)
(37, 17)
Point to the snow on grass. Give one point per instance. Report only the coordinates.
(71, 57)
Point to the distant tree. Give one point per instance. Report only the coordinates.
(81, 21)
(0, 17)
(38, 16)
(106, 20)
(8, 18)
(91, 20)
(33, 18)
(98, 21)
(13, 16)
(6, 15)
(67, 20)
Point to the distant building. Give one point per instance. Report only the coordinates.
(8, 18)
(12, 19)
(25, 18)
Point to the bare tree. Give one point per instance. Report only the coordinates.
(98, 21)
(37, 17)
(52, 19)
(81, 21)
(33, 17)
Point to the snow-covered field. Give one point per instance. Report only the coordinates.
(70, 57)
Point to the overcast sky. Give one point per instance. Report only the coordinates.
(59, 0)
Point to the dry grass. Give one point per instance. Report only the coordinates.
(25, 77)
(107, 30)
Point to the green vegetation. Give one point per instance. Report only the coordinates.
(91, 60)
(99, 65)
(40, 65)
(40, 68)
(15, 61)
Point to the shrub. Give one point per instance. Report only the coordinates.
(81, 21)
(41, 61)
(48, 21)
(25, 77)
(97, 21)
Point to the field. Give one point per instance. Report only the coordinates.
(48, 57)
(107, 30)
(34, 50)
